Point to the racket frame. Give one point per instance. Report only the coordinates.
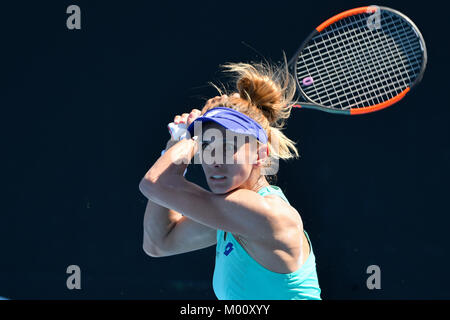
(310, 104)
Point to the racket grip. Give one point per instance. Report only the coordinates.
(177, 131)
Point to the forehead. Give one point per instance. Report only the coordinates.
(212, 125)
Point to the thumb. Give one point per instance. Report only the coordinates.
(195, 143)
(195, 139)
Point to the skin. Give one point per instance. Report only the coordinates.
(239, 174)
(269, 229)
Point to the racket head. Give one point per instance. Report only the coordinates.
(359, 61)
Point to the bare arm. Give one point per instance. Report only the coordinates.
(241, 211)
(185, 236)
(158, 221)
(166, 230)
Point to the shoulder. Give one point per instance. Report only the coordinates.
(284, 215)
(280, 206)
(281, 247)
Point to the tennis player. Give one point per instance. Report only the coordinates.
(262, 250)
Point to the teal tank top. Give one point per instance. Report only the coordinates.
(237, 276)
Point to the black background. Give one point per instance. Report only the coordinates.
(84, 115)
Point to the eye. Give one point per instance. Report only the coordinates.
(229, 147)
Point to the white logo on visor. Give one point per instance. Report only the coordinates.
(213, 113)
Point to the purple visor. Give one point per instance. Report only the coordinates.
(232, 120)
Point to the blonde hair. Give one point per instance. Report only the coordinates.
(266, 95)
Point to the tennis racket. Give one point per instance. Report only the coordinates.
(359, 61)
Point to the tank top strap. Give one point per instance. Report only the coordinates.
(272, 190)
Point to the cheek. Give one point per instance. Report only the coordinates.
(246, 157)
(239, 172)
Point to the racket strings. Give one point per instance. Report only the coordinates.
(360, 74)
(413, 49)
(328, 37)
(363, 56)
(355, 83)
(356, 66)
(378, 63)
(357, 74)
(349, 76)
(381, 70)
(412, 45)
(400, 77)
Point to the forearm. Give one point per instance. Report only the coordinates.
(170, 143)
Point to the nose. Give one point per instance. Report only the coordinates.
(215, 159)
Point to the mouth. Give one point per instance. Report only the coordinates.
(217, 178)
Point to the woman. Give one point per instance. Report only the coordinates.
(262, 251)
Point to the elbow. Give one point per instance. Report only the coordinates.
(146, 185)
(152, 250)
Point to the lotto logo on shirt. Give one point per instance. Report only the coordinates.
(228, 249)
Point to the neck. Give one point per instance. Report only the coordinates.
(261, 185)
(256, 182)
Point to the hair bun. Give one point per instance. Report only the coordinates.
(263, 93)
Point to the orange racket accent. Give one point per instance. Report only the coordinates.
(345, 14)
(380, 105)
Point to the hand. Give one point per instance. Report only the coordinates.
(178, 128)
(187, 118)
(176, 131)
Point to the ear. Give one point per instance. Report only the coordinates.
(263, 154)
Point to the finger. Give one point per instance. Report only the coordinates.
(194, 113)
(192, 116)
(196, 145)
(177, 119)
(184, 117)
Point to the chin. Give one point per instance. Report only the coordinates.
(219, 189)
